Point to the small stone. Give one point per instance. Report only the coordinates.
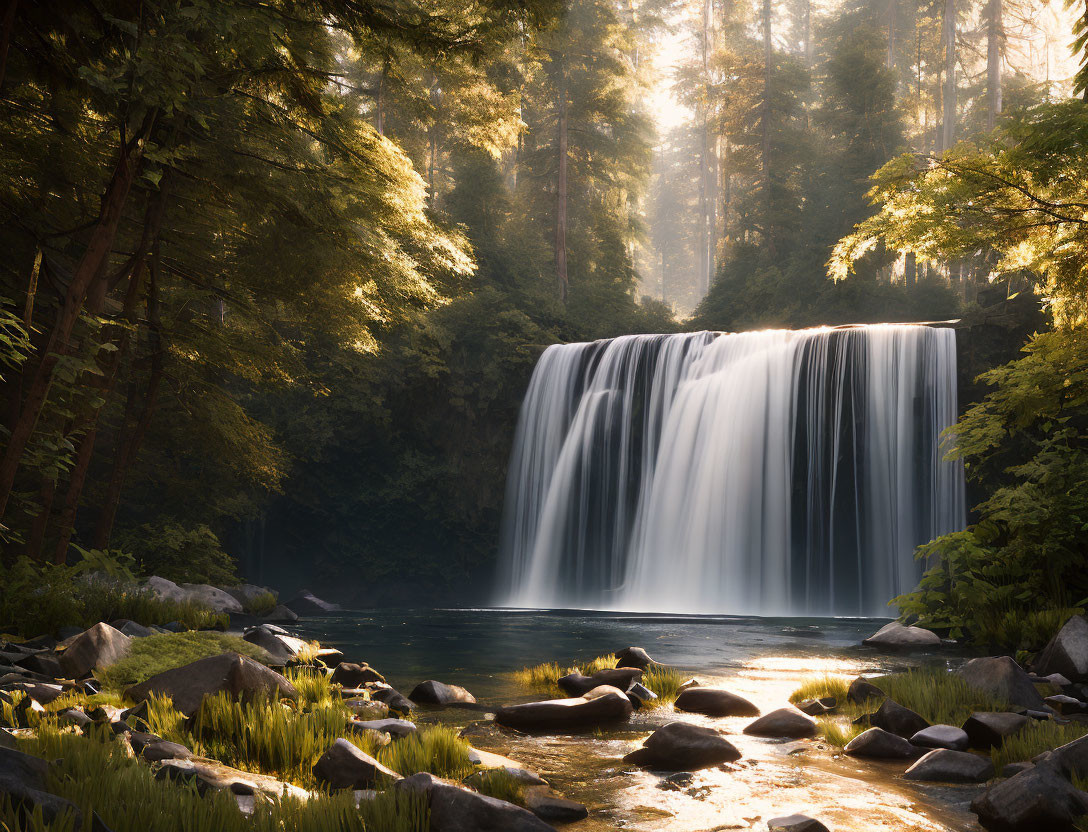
(1012, 769)
(1066, 705)
(942, 736)
(817, 707)
(877, 743)
(895, 636)
(575, 684)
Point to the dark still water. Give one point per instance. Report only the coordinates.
(762, 659)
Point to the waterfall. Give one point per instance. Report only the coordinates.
(772, 473)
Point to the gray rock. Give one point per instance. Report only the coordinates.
(942, 765)
(239, 676)
(211, 775)
(893, 717)
(1057, 680)
(281, 615)
(785, 722)
(396, 700)
(439, 693)
(1071, 758)
(100, 646)
(167, 590)
(546, 805)
(1004, 679)
(271, 643)
(43, 692)
(394, 727)
(1012, 769)
(641, 692)
(355, 675)
(23, 781)
(876, 743)
(156, 752)
(306, 603)
(344, 766)
(714, 702)
(575, 684)
(1036, 799)
(75, 716)
(44, 664)
(681, 746)
(818, 707)
(942, 736)
(454, 808)
(599, 706)
(986, 729)
(795, 823)
(1067, 652)
(245, 593)
(862, 690)
(212, 597)
(634, 657)
(134, 630)
(895, 636)
(1066, 705)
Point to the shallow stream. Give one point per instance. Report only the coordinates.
(762, 659)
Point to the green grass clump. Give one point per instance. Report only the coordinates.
(938, 695)
(434, 749)
(313, 688)
(542, 677)
(500, 784)
(838, 731)
(155, 654)
(817, 687)
(260, 604)
(665, 682)
(99, 777)
(1038, 736)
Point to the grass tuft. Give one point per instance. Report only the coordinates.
(838, 731)
(260, 605)
(817, 687)
(665, 682)
(155, 654)
(1041, 735)
(938, 695)
(435, 749)
(500, 784)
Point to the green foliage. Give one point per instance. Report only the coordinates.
(40, 598)
(1014, 577)
(154, 654)
(433, 748)
(838, 731)
(937, 694)
(1038, 736)
(179, 554)
(665, 682)
(819, 687)
(98, 777)
(261, 604)
(500, 784)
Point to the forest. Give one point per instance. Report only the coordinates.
(276, 274)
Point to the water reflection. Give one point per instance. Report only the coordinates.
(761, 659)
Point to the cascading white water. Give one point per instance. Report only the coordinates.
(773, 473)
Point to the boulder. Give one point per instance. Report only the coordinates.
(23, 781)
(714, 702)
(246, 593)
(1067, 652)
(546, 805)
(895, 636)
(986, 729)
(167, 590)
(44, 664)
(100, 646)
(893, 717)
(599, 706)
(306, 603)
(943, 765)
(1066, 705)
(134, 630)
(876, 743)
(396, 700)
(1003, 678)
(439, 693)
(634, 657)
(281, 615)
(212, 597)
(942, 736)
(156, 752)
(345, 766)
(862, 690)
(681, 746)
(239, 676)
(795, 823)
(785, 722)
(278, 650)
(1071, 758)
(818, 707)
(575, 684)
(1012, 769)
(454, 808)
(355, 675)
(394, 727)
(1038, 798)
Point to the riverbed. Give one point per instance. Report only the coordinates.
(762, 659)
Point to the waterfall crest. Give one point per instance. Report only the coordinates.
(773, 473)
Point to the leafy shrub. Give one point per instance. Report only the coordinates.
(179, 554)
(155, 654)
(261, 604)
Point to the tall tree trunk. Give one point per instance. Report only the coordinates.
(130, 444)
(765, 124)
(995, 44)
(948, 95)
(89, 267)
(6, 29)
(561, 187)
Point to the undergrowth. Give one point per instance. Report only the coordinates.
(154, 654)
(661, 679)
(1035, 738)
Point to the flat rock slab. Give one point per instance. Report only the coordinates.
(986, 729)
(942, 736)
(786, 723)
(878, 744)
(714, 702)
(211, 774)
(399, 728)
(681, 746)
(611, 705)
(489, 761)
(942, 765)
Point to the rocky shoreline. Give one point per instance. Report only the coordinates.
(55, 688)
